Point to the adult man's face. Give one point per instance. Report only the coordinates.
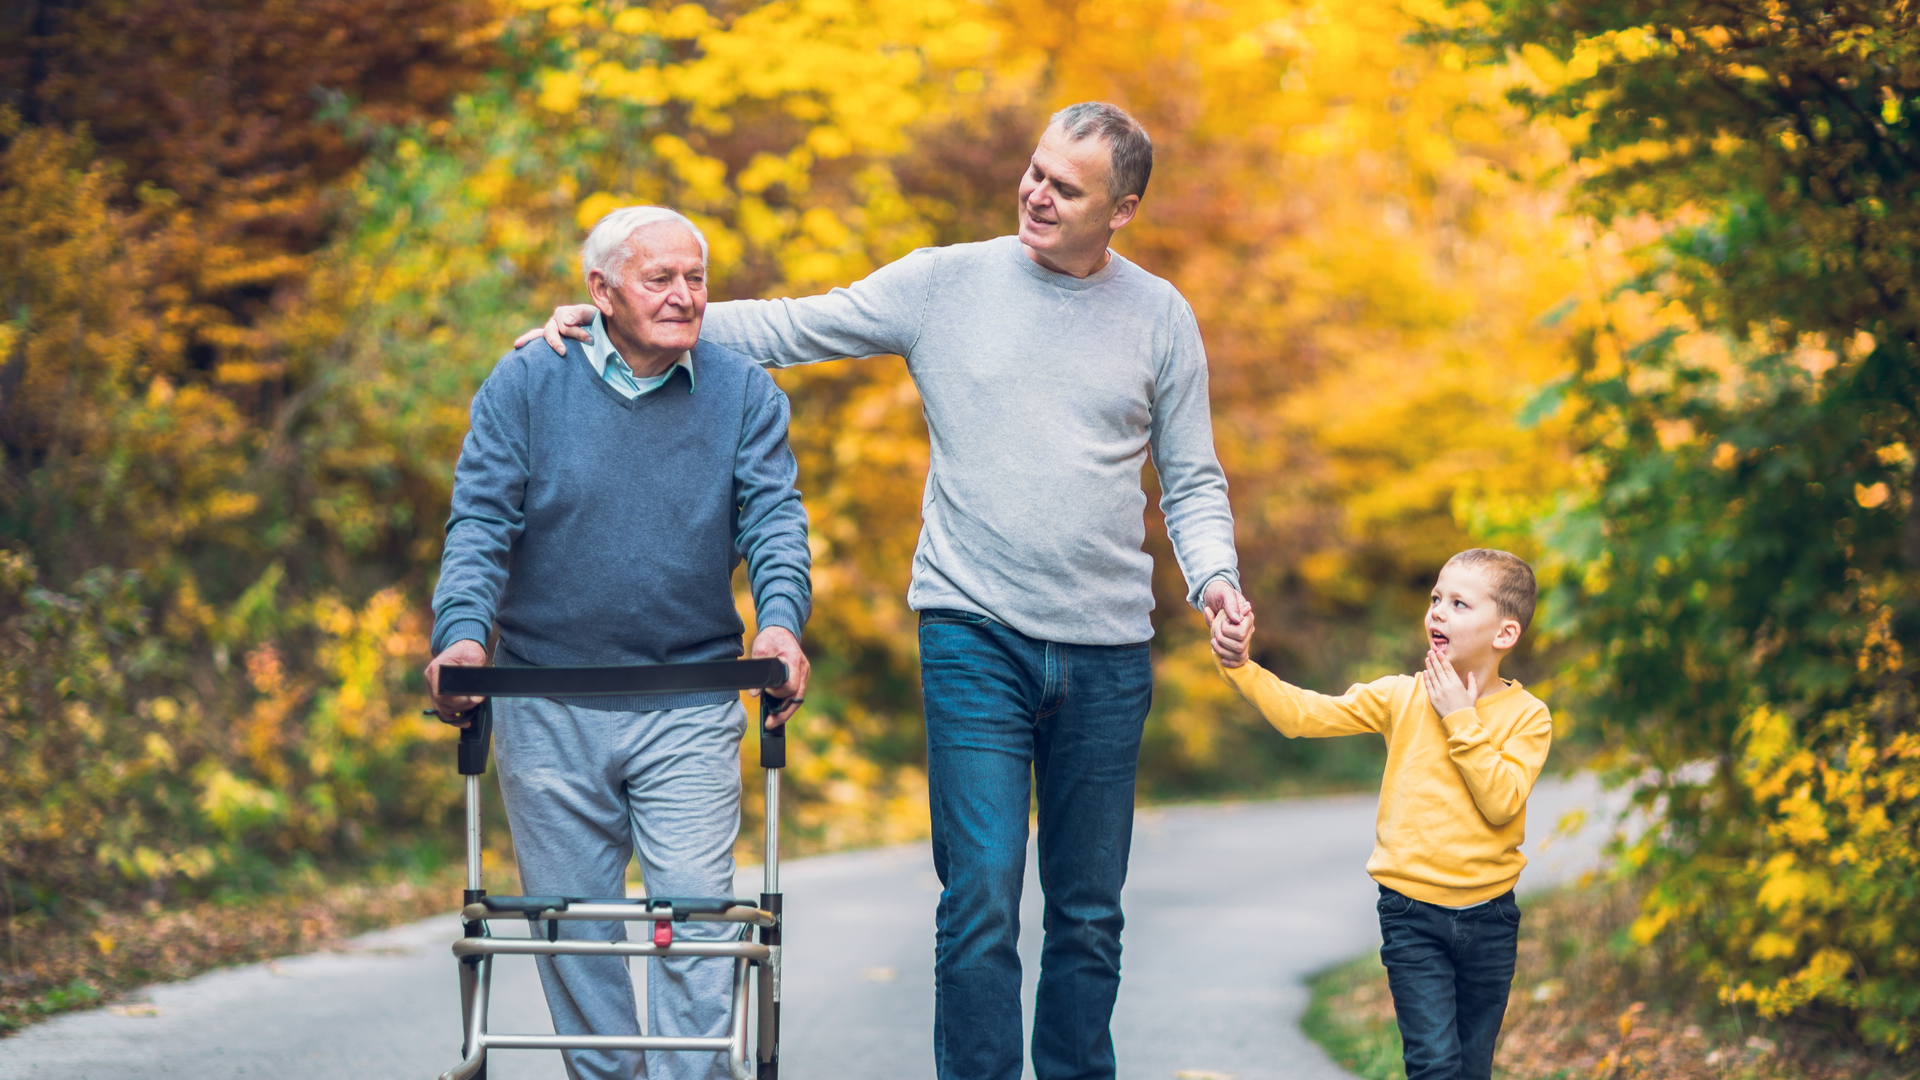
(654, 314)
(1067, 212)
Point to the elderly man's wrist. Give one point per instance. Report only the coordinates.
(782, 614)
(461, 630)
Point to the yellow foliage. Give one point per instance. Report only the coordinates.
(1821, 911)
(1360, 224)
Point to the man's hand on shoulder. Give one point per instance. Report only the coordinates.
(779, 643)
(466, 653)
(568, 321)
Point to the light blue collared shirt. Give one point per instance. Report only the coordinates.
(611, 366)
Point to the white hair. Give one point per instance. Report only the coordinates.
(606, 248)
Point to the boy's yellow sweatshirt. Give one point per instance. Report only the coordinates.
(1453, 803)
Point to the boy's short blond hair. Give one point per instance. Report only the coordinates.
(1514, 590)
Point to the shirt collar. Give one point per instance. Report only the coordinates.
(601, 348)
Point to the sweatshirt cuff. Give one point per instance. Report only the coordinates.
(462, 630)
(1243, 678)
(780, 611)
(1463, 725)
(1231, 577)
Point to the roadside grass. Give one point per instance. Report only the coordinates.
(1589, 1003)
(87, 955)
(1351, 1017)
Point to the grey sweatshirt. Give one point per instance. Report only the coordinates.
(1044, 394)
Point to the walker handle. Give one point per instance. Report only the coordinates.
(773, 740)
(476, 738)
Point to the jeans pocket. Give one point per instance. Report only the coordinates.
(1508, 909)
(953, 616)
(1393, 903)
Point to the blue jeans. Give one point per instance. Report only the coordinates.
(1449, 972)
(1002, 706)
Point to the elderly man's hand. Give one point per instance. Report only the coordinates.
(568, 321)
(779, 643)
(467, 653)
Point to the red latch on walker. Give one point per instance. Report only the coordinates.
(662, 934)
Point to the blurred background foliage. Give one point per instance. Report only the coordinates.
(1624, 286)
(1737, 576)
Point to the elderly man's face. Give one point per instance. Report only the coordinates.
(1067, 212)
(654, 314)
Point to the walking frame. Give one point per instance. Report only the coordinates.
(756, 964)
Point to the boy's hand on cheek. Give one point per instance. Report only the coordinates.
(1231, 638)
(1444, 689)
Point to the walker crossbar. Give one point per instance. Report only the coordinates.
(642, 909)
(757, 962)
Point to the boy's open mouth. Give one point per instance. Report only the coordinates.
(1438, 637)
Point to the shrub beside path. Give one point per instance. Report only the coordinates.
(1229, 908)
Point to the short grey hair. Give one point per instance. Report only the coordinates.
(606, 248)
(1127, 142)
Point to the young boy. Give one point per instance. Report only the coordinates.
(1463, 748)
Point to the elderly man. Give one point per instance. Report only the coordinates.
(1050, 368)
(599, 508)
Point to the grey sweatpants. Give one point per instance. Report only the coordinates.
(584, 790)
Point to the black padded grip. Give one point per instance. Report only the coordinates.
(561, 682)
(773, 740)
(476, 738)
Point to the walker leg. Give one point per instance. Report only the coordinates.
(739, 1058)
(476, 974)
(773, 757)
(477, 983)
(769, 987)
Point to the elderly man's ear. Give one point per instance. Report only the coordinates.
(778, 643)
(568, 321)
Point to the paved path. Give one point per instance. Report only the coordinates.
(1229, 908)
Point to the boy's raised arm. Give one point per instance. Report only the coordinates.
(1500, 777)
(1298, 713)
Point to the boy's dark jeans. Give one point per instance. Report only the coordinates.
(1449, 972)
(1002, 708)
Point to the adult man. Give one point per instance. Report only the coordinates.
(599, 508)
(1049, 366)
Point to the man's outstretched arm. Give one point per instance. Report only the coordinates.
(879, 315)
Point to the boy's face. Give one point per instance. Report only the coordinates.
(1464, 623)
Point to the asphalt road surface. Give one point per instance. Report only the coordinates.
(1229, 908)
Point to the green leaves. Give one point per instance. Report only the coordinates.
(1735, 566)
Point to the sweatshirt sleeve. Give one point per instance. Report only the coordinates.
(1193, 488)
(1298, 713)
(879, 315)
(489, 492)
(1499, 777)
(771, 530)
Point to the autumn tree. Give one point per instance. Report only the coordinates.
(172, 710)
(1746, 567)
(225, 124)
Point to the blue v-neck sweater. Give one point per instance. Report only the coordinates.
(600, 530)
